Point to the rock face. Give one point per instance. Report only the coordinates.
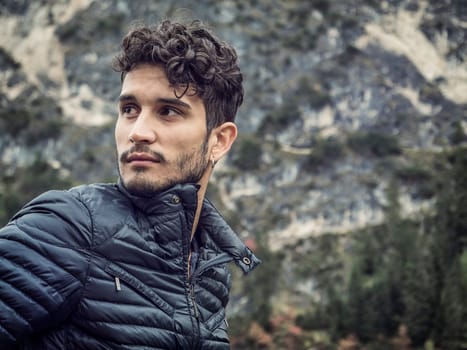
(342, 99)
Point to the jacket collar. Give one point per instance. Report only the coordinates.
(167, 200)
(225, 238)
(211, 221)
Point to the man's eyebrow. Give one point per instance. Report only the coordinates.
(123, 98)
(163, 100)
(174, 101)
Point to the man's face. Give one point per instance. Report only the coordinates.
(161, 139)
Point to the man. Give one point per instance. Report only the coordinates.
(140, 264)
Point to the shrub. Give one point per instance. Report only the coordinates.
(248, 154)
(26, 183)
(7, 61)
(313, 93)
(324, 153)
(32, 121)
(413, 173)
(457, 135)
(280, 118)
(374, 143)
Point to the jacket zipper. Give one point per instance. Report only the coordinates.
(193, 300)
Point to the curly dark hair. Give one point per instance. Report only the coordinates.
(193, 58)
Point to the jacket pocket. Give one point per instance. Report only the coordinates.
(221, 259)
(121, 275)
(217, 321)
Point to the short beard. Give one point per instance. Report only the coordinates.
(191, 165)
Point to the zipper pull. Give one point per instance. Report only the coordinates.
(193, 299)
(118, 287)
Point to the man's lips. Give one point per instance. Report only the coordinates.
(142, 157)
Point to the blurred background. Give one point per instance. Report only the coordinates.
(349, 178)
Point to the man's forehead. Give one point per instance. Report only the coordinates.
(157, 73)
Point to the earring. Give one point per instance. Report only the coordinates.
(213, 162)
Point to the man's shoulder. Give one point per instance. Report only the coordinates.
(107, 206)
(82, 193)
(86, 207)
(101, 198)
(63, 217)
(93, 192)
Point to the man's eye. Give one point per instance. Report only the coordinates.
(128, 110)
(170, 111)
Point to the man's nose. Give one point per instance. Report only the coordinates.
(142, 131)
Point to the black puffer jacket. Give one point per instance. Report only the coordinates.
(95, 268)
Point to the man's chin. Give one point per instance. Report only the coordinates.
(143, 185)
(144, 188)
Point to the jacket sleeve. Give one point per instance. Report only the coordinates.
(42, 265)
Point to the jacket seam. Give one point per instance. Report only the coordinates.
(90, 256)
(91, 217)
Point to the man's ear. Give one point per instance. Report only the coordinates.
(222, 139)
